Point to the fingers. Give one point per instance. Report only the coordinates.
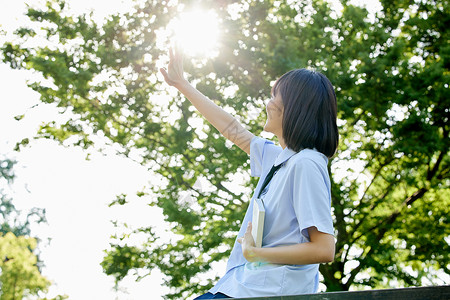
(171, 56)
(176, 53)
(247, 232)
(173, 75)
(249, 227)
(166, 77)
(164, 74)
(179, 52)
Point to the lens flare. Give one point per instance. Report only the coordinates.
(197, 32)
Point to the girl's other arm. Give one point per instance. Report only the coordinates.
(320, 249)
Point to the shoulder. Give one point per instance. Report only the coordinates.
(308, 165)
(264, 147)
(308, 174)
(309, 158)
(258, 141)
(262, 154)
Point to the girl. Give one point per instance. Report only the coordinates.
(298, 228)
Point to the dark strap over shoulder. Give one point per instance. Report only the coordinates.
(268, 178)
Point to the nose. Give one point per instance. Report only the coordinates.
(270, 108)
(269, 103)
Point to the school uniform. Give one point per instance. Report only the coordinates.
(297, 197)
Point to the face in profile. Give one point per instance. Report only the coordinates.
(274, 110)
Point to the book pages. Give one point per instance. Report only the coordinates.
(258, 221)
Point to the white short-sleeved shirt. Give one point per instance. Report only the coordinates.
(297, 198)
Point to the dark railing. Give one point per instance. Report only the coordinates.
(416, 293)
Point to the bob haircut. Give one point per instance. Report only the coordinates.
(310, 111)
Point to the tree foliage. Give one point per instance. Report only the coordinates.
(390, 177)
(20, 267)
(20, 275)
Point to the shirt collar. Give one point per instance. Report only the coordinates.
(284, 156)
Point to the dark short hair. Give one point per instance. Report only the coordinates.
(310, 111)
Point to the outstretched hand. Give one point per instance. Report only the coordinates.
(248, 244)
(174, 75)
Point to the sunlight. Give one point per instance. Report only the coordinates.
(197, 32)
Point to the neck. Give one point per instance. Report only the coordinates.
(281, 140)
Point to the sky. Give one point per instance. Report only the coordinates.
(75, 192)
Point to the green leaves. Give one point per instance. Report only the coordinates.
(20, 275)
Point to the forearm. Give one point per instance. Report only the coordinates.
(219, 118)
(224, 122)
(298, 254)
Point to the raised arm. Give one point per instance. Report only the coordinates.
(227, 125)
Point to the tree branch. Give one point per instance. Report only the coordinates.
(363, 218)
(432, 172)
(387, 222)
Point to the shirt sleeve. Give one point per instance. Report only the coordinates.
(261, 151)
(311, 197)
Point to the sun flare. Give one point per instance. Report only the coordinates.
(197, 32)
